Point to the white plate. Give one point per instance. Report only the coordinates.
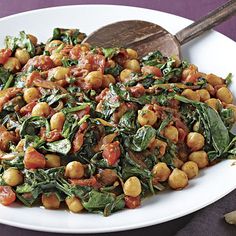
(212, 53)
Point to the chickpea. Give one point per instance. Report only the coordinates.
(132, 53)
(200, 158)
(111, 63)
(125, 75)
(12, 177)
(12, 64)
(146, 117)
(57, 121)
(108, 177)
(41, 109)
(57, 58)
(133, 65)
(195, 141)
(53, 45)
(161, 171)
(107, 80)
(224, 95)
(132, 187)
(214, 80)
(52, 160)
(190, 94)
(233, 108)
(190, 168)
(94, 78)
(22, 55)
(171, 132)
(33, 39)
(213, 103)
(31, 94)
(178, 179)
(204, 95)
(59, 72)
(50, 201)
(177, 162)
(74, 170)
(74, 204)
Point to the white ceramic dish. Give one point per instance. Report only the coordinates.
(212, 53)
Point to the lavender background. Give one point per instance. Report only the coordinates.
(208, 221)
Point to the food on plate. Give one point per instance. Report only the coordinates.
(100, 128)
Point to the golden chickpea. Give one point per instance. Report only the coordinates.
(125, 75)
(190, 94)
(133, 65)
(214, 80)
(12, 177)
(161, 171)
(146, 117)
(224, 95)
(195, 141)
(74, 204)
(56, 58)
(33, 39)
(59, 73)
(52, 160)
(41, 109)
(50, 201)
(132, 53)
(53, 45)
(31, 94)
(74, 170)
(233, 108)
(190, 168)
(213, 103)
(94, 78)
(22, 55)
(200, 158)
(12, 64)
(57, 121)
(107, 80)
(204, 95)
(178, 179)
(132, 187)
(171, 133)
(111, 63)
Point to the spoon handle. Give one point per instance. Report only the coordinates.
(207, 22)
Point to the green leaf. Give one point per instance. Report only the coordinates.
(115, 71)
(4, 78)
(228, 79)
(110, 52)
(62, 146)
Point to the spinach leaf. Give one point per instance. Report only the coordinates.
(127, 122)
(115, 71)
(16, 162)
(61, 146)
(228, 79)
(110, 52)
(152, 59)
(4, 77)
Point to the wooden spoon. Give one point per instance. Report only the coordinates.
(147, 37)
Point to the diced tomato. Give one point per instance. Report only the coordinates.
(75, 52)
(27, 109)
(111, 152)
(121, 57)
(33, 159)
(78, 141)
(137, 90)
(31, 77)
(132, 202)
(7, 196)
(41, 62)
(83, 112)
(97, 62)
(52, 136)
(182, 135)
(151, 70)
(4, 55)
(91, 182)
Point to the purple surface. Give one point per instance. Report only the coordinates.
(208, 221)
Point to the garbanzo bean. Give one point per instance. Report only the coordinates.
(214, 80)
(132, 53)
(204, 95)
(178, 179)
(125, 75)
(190, 168)
(171, 133)
(161, 171)
(52, 160)
(54, 44)
(31, 94)
(190, 94)
(199, 157)
(50, 201)
(22, 55)
(132, 187)
(74, 204)
(12, 177)
(74, 170)
(107, 80)
(57, 121)
(146, 117)
(94, 78)
(214, 103)
(57, 58)
(224, 95)
(41, 109)
(133, 65)
(59, 73)
(195, 141)
(12, 64)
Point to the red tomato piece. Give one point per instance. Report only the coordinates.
(27, 109)
(4, 55)
(7, 196)
(41, 62)
(111, 152)
(33, 159)
(152, 70)
(91, 182)
(132, 202)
